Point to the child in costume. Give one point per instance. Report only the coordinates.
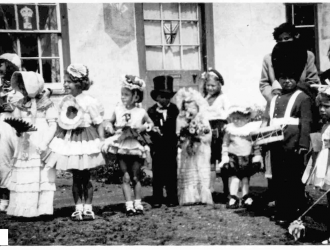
(9, 63)
(78, 139)
(32, 185)
(293, 111)
(320, 176)
(164, 147)
(239, 155)
(129, 142)
(193, 127)
(217, 115)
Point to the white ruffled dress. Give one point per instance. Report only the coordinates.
(321, 175)
(194, 171)
(130, 146)
(31, 185)
(79, 148)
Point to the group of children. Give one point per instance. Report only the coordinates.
(210, 133)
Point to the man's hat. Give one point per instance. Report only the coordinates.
(289, 59)
(13, 58)
(162, 85)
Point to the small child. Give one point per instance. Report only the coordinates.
(128, 124)
(164, 148)
(193, 127)
(321, 175)
(217, 115)
(78, 139)
(293, 111)
(243, 159)
(32, 185)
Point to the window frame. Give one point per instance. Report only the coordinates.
(290, 18)
(63, 40)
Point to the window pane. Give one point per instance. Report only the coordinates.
(27, 17)
(189, 33)
(190, 57)
(47, 18)
(152, 32)
(303, 14)
(29, 45)
(170, 11)
(7, 17)
(172, 58)
(154, 58)
(151, 10)
(8, 43)
(308, 36)
(49, 45)
(30, 65)
(51, 70)
(188, 11)
(171, 32)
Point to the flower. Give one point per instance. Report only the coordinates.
(193, 124)
(77, 71)
(192, 130)
(133, 82)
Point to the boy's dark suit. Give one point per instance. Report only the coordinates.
(164, 153)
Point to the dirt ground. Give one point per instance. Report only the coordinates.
(188, 225)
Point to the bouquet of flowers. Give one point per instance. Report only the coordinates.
(193, 132)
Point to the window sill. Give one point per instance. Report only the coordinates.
(57, 88)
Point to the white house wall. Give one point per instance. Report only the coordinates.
(91, 44)
(324, 34)
(242, 37)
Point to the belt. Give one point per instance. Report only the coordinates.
(285, 121)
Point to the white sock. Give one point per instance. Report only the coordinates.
(79, 207)
(129, 205)
(4, 202)
(88, 207)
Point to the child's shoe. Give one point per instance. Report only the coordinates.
(4, 205)
(326, 242)
(138, 207)
(233, 202)
(88, 212)
(78, 214)
(130, 211)
(246, 201)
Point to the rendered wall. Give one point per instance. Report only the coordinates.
(324, 34)
(243, 36)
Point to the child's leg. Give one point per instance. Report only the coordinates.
(245, 186)
(234, 184)
(77, 192)
(4, 199)
(87, 186)
(126, 180)
(213, 177)
(136, 166)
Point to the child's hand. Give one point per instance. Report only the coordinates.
(224, 160)
(109, 128)
(258, 159)
(148, 127)
(105, 147)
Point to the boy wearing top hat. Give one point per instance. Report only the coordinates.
(164, 148)
(293, 110)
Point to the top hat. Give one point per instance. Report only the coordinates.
(162, 85)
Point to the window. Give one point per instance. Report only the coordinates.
(34, 32)
(304, 17)
(172, 36)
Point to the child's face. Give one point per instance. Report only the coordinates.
(21, 88)
(277, 92)
(127, 97)
(191, 109)
(163, 99)
(285, 37)
(287, 83)
(2, 69)
(70, 87)
(239, 120)
(212, 86)
(324, 109)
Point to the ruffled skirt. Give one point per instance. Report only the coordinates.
(78, 149)
(320, 174)
(194, 176)
(125, 143)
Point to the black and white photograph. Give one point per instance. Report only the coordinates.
(165, 123)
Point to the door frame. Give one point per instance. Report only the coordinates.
(207, 39)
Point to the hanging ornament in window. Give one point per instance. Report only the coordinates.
(27, 15)
(170, 31)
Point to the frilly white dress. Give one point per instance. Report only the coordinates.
(32, 185)
(130, 146)
(78, 148)
(194, 171)
(321, 175)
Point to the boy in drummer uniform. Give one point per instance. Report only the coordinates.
(164, 148)
(293, 110)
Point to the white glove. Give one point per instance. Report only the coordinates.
(224, 160)
(258, 158)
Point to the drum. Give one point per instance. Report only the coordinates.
(267, 135)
